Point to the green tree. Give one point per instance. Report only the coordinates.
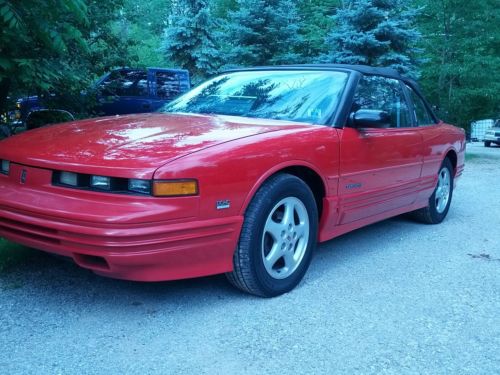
(58, 46)
(262, 32)
(144, 24)
(189, 39)
(462, 58)
(34, 37)
(317, 21)
(222, 7)
(374, 32)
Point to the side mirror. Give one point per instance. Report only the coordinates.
(370, 118)
(42, 117)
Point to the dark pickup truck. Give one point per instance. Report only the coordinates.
(123, 91)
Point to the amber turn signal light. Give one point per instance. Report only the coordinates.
(175, 188)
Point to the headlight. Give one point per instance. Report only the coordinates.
(100, 182)
(119, 185)
(139, 186)
(5, 167)
(68, 178)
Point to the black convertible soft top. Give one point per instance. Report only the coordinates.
(364, 69)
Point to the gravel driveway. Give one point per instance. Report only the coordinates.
(394, 298)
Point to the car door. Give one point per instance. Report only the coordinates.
(379, 167)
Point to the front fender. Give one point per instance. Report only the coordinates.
(233, 171)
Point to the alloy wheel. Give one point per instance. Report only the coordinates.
(442, 195)
(285, 237)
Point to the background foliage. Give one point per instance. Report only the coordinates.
(62, 46)
(461, 52)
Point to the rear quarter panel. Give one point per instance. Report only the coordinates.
(438, 140)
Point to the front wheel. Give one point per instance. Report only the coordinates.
(278, 238)
(487, 143)
(440, 200)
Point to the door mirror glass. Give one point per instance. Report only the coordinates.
(370, 118)
(37, 119)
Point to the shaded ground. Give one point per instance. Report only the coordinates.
(395, 298)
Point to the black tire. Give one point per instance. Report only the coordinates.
(250, 273)
(487, 143)
(430, 214)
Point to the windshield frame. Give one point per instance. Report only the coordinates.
(327, 120)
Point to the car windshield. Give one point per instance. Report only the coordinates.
(299, 96)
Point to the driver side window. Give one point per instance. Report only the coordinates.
(383, 94)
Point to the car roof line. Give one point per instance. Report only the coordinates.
(365, 69)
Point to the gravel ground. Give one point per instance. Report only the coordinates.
(396, 297)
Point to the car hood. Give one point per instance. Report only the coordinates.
(129, 146)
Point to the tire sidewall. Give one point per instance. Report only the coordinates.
(281, 187)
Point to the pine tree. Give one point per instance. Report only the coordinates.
(262, 32)
(375, 32)
(190, 41)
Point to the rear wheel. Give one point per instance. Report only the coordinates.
(487, 143)
(440, 200)
(277, 238)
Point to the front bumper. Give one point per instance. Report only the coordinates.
(120, 237)
(156, 252)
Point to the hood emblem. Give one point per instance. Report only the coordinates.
(23, 176)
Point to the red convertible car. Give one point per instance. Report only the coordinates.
(242, 175)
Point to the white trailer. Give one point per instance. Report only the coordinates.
(479, 128)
